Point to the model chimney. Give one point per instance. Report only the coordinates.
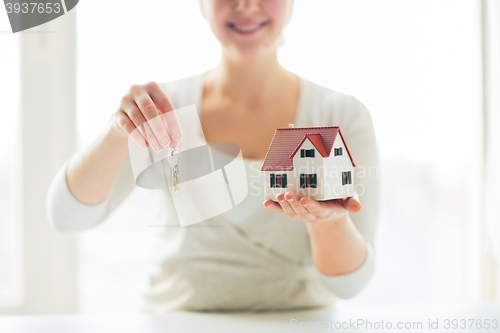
(291, 125)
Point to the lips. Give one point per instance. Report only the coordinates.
(247, 27)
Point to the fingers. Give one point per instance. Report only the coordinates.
(310, 210)
(159, 97)
(332, 207)
(293, 199)
(273, 206)
(320, 208)
(296, 207)
(147, 112)
(152, 115)
(174, 127)
(166, 111)
(135, 114)
(352, 204)
(287, 209)
(128, 126)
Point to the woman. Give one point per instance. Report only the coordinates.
(292, 253)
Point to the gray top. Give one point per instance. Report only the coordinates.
(254, 258)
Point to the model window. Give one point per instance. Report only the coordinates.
(308, 180)
(346, 178)
(278, 180)
(337, 151)
(306, 153)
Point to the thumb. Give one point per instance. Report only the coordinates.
(352, 204)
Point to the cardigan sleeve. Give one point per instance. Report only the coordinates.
(350, 284)
(357, 128)
(67, 214)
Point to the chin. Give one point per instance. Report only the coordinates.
(249, 52)
(253, 42)
(254, 49)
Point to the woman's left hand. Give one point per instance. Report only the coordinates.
(312, 211)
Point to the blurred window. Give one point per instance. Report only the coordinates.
(10, 260)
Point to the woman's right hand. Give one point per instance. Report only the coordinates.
(147, 116)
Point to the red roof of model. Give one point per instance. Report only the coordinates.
(287, 141)
(317, 142)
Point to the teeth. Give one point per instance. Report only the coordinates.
(246, 28)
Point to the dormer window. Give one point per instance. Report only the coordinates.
(337, 151)
(306, 153)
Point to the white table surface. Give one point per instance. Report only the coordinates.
(189, 322)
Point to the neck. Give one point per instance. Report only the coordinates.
(253, 81)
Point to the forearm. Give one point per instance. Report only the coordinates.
(91, 175)
(337, 246)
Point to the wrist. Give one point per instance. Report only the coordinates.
(337, 219)
(337, 246)
(335, 223)
(334, 220)
(116, 134)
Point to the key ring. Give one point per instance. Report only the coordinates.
(178, 153)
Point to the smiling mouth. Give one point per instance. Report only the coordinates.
(247, 29)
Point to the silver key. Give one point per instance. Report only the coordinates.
(174, 164)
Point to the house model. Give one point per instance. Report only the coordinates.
(312, 162)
